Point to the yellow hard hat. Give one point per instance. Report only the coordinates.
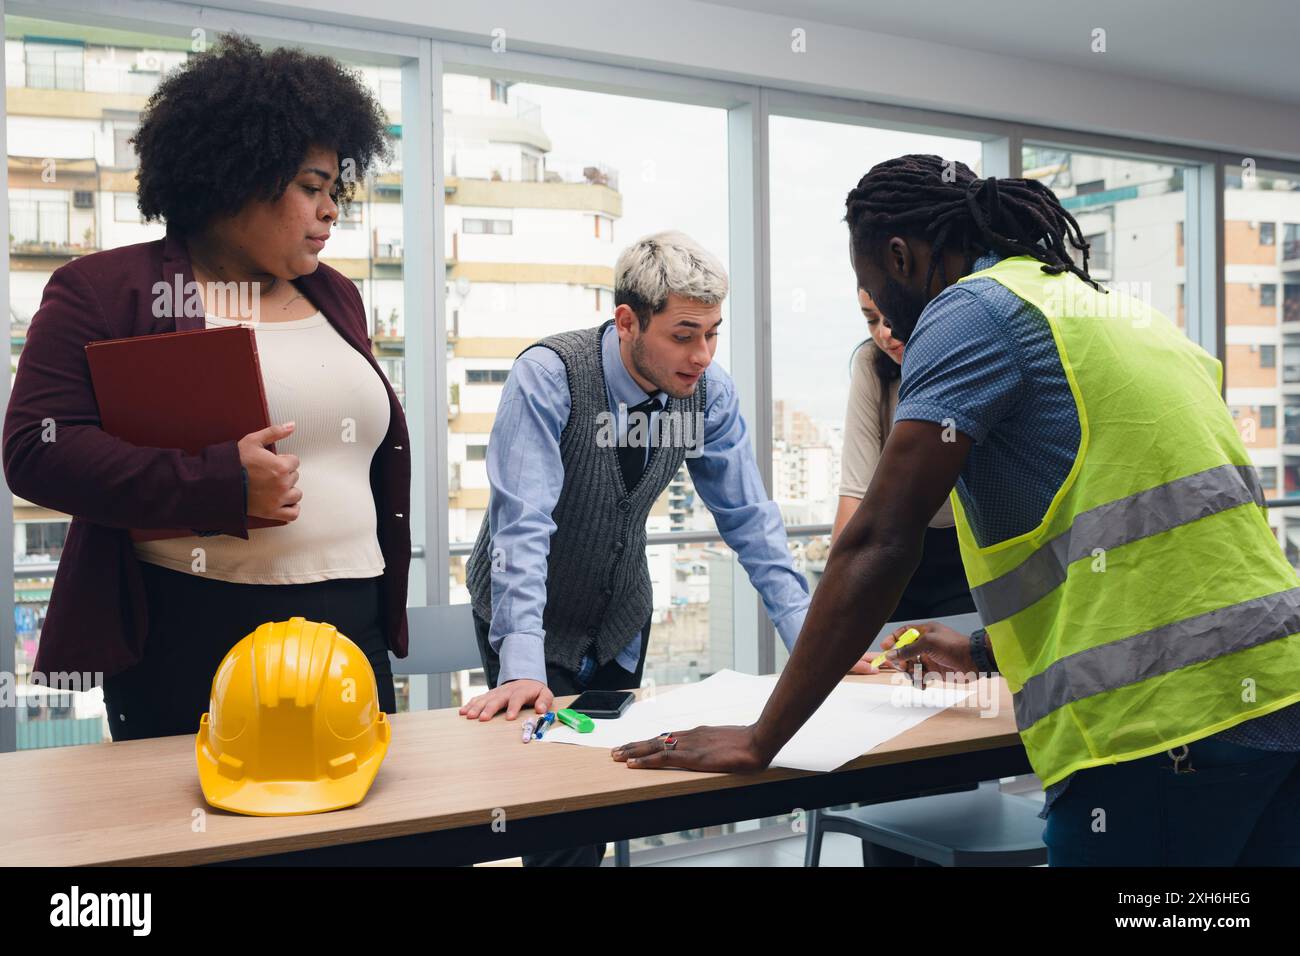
(294, 724)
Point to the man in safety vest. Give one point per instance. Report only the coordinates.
(1111, 526)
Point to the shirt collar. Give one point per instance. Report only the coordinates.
(622, 387)
(986, 261)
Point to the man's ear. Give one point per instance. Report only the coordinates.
(625, 321)
(899, 260)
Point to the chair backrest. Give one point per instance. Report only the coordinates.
(441, 640)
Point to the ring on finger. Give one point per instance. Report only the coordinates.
(670, 743)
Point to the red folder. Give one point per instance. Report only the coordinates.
(183, 390)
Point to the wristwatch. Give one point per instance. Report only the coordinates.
(981, 653)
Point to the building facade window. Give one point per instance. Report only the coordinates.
(486, 376)
(1290, 302)
(124, 154)
(488, 227)
(531, 168)
(1291, 241)
(55, 66)
(125, 208)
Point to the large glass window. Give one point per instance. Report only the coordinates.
(817, 321)
(1133, 214)
(544, 187)
(1262, 365)
(73, 101)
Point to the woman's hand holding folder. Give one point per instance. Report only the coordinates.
(273, 490)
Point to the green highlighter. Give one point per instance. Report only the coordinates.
(579, 722)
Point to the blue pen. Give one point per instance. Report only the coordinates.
(543, 722)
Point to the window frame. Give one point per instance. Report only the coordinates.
(424, 61)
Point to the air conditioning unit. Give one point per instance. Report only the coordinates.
(83, 199)
(148, 61)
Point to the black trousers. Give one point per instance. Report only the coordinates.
(194, 620)
(562, 682)
(938, 588)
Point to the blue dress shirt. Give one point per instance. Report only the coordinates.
(526, 475)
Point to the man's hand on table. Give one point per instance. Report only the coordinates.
(712, 749)
(512, 697)
(939, 649)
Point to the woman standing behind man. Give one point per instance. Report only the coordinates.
(938, 587)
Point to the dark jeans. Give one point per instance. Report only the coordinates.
(562, 682)
(938, 588)
(1241, 807)
(194, 620)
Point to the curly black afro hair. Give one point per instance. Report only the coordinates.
(234, 124)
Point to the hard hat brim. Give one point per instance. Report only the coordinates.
(275, 798)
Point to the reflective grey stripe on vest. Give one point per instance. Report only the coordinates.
(1158, 651)
(1116, 523)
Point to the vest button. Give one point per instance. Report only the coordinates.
(592, 632)
(618, 547)
(625, 506)
(609, 592)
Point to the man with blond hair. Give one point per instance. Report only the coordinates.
(593, 425)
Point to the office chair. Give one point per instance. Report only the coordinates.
(980, 827)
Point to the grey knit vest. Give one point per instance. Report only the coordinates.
(598, 593)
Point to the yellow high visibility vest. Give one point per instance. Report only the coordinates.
(1153, 605)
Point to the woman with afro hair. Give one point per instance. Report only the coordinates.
(246, 156)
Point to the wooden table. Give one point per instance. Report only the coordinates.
(451, 791)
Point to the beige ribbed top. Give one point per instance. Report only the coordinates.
(866, 429)
(315, 378)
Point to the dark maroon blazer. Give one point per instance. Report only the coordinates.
(97, 617)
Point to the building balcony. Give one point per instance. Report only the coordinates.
(599, 174)
(385, 253)
(54, 248)
(1291, 256)
(568, 189)
(93, 78)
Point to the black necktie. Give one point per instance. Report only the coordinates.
(632, 458)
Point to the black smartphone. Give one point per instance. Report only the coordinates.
(603, 704)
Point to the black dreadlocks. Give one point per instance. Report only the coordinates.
(912, 196)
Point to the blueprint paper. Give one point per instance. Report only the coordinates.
(855, 718)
